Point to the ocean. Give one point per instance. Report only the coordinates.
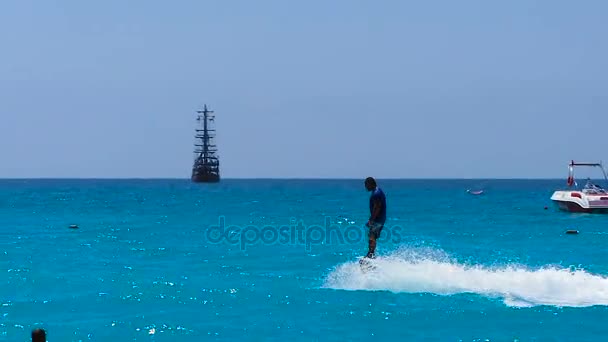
(276, 260)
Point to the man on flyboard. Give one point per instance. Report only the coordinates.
(377, 209)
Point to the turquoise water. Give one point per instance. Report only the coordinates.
(145, 263)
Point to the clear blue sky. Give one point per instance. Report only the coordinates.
(310, 88)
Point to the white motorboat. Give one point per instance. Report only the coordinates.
(591, 198)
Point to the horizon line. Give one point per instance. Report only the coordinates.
(281, 178)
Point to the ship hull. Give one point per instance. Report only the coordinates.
(206, 178)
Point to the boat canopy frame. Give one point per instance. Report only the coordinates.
(572, 164)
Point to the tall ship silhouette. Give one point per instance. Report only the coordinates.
(206, 168)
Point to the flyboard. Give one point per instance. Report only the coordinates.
(367, 265)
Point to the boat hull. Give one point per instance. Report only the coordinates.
(576, 208)
(578, 202)
(206, 178)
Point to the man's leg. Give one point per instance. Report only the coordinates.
(372, 246)
(374, 234)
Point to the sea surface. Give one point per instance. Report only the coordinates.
(277, 260)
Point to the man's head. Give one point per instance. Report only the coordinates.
(370, 183)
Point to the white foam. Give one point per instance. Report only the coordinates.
(412, 271)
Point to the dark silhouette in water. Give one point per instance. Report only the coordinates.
(38, 335)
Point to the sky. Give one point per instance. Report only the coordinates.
(303, 89)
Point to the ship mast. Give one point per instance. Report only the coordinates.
(206, 165)
(207, 148)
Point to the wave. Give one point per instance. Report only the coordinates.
(431, 271)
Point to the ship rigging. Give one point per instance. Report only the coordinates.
(206, 168)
